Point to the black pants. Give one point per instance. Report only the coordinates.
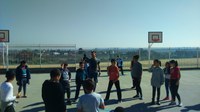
(121, 69)
(10, 109)
(117, 85)
(66, 87)
(78, 86)
(138, 87)
(154, 94)
(94, 77)
(174, 90)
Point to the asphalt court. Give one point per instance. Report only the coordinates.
(189, 91)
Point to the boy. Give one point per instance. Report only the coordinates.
(157, 80)
(6, 93)
(81, 76)
(53, 93)
(113, 73)
(65, 81)
(91, 101)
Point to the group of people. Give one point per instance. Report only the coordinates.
(54, 89)
(171, 76)
(8, 99)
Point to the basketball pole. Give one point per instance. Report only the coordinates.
(149, 51)
(7, 62)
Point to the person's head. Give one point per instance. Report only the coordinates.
(23, 63)
(84, 55)
(136, 57)
(81, 65)
(173, 63)
(113, 61)
(119, 109)
(156, 62)
(88, 85)
(159, 63)
(55, 74)
(117, 56)
(93, 54)
(62, 65)
(10, 75)
(65, 65)
(167, 64)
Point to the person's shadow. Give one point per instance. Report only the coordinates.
(36, 107)
(193, 107)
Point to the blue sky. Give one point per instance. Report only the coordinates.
(101, 23)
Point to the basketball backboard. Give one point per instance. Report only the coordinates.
(155, 37)
(4, 35)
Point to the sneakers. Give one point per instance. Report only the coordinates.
(69, 102)
(166, 98)
(18, 95)
(119, 101)
(158, 103)
(141, 98)
(180, 104)
(136, 96)
(172, 103)
(24, 96)
(152, 103)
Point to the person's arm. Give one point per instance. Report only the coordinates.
(69, 75)
(102, 105)
(99, 68)
(162, 77)
(151, 68)
(108, 71)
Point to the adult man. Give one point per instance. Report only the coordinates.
(120, 64)
(92, 69)
(53, 93)
(91, 101)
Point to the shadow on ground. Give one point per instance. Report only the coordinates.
(193, 107)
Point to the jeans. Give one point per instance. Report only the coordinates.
(117, 85)
(23, 83)
(137, 84)
(167, 87)
(174, 90)
(78, 86)
(94, 77)
(121, 69)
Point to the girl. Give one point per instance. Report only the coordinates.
(167, 78)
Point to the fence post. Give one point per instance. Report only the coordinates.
(7, 61)
(40, 56)
(169, 53)
(197, 57)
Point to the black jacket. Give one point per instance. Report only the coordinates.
(53, 96)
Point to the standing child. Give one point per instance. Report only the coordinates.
(167, 79)
(22, 77)
(174, 82)
(65, 81)
(113, 73)
(81, 76)
(157, 80)
(6, 93)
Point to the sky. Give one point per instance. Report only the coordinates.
(101, 23)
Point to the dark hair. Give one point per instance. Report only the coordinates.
(136, 57)
(22, 62)
(174, 62)
(93, 51)
(65, 64)
(54, 73)
(156, 60)
(81, 62)
(112, 60)
(119, 109)
(10, 75)
(88, 84)
(159, 62)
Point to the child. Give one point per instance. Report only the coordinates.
(174, 82)
(157, 80)
(81, 76)
(22, 77)
(167, 78)
(113, 73)
(65, 81)
(6, 93)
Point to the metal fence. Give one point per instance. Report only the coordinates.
(49, 56)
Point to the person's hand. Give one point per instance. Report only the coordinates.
(28, 81)
(99, 73)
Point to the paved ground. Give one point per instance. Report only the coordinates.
(189, 91)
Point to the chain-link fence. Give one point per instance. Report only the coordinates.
(49, 56)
